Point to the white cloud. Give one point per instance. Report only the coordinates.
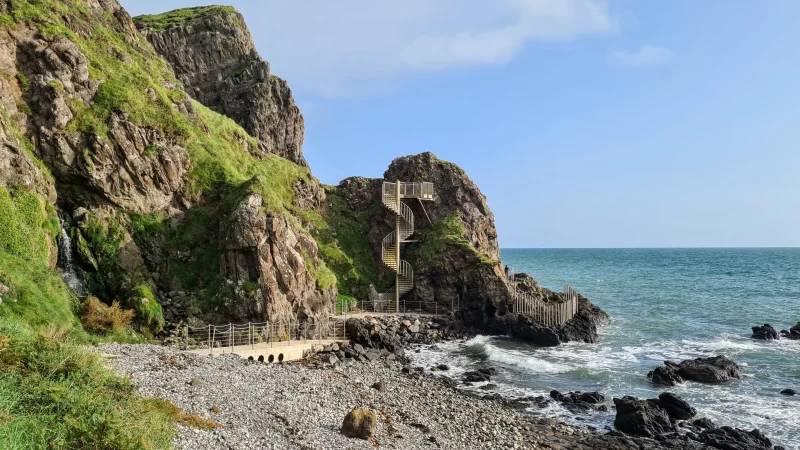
(532, 19)
(367, 47)
(645, 56)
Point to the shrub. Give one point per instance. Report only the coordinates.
(101, 318)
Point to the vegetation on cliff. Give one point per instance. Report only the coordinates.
(167, 19)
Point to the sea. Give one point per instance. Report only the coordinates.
(665, 304)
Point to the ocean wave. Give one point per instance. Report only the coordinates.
(523, 360)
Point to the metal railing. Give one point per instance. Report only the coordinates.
(547, 314)
(385, 303)
(422, 189)
(230, 336)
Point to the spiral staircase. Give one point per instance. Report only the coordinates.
(393, 193)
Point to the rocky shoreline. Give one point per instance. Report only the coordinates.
(303, 404)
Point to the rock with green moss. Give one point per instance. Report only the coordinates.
(360, 423)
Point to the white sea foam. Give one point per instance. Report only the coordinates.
(525, 361)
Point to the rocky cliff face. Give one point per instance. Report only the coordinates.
(271, 264)
(214, 56)
(458, 256)
(158, 192)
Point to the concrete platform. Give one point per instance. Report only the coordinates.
(270, 352)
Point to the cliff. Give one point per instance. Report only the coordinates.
(174, 159)
(213, 55)
(159, 194)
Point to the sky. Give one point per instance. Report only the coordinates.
(586, 123)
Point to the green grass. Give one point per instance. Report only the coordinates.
(24, 222)
(178, 16)
(447, 231)
(56, 394)
(343, 245)
(38, 296)
(148, 315)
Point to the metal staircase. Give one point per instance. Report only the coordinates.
(393, 193)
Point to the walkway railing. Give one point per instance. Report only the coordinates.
(271, 333)
(377, 304)
(547, 314)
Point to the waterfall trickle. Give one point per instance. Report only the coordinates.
(65, 265)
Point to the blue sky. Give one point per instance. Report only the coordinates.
(586, 123)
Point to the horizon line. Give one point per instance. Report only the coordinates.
(653, 248)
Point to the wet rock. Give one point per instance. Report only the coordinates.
(476, 376)
(359, 423)
(704, 423)
(715, 369)
(710, 370)
(641, 417)
(580, 401)
(789, 392)
(443, 367)
(666, 375)
(793, 333)
(728, 438)
(765, 332)
(676, 407)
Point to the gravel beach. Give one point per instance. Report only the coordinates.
(301, 405)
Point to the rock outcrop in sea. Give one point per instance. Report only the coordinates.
(714, 369)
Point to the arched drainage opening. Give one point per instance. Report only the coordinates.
(250, 358)
(260, 358)
(280, 357)
(271, 358)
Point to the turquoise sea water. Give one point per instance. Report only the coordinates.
(665, 304)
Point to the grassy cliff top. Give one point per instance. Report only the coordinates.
(165, 20)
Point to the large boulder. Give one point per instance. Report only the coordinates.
(676, 407)
(666, 375)
(715, 369)
(710, 370)
(765, 332)
(792, 333)
(728, 438)
(641, 417)
(359, 423)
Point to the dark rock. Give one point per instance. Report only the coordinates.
(765, 332)
(789, 392)
(476, 376)
(443, 367)
(359, 423)
(676, 407)
(488, 387)
(380, 386)
(707, 370)
(488, 371)
(666, 375)
(704, 423)
(728, 438)
(641, 417)
(579, 401)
